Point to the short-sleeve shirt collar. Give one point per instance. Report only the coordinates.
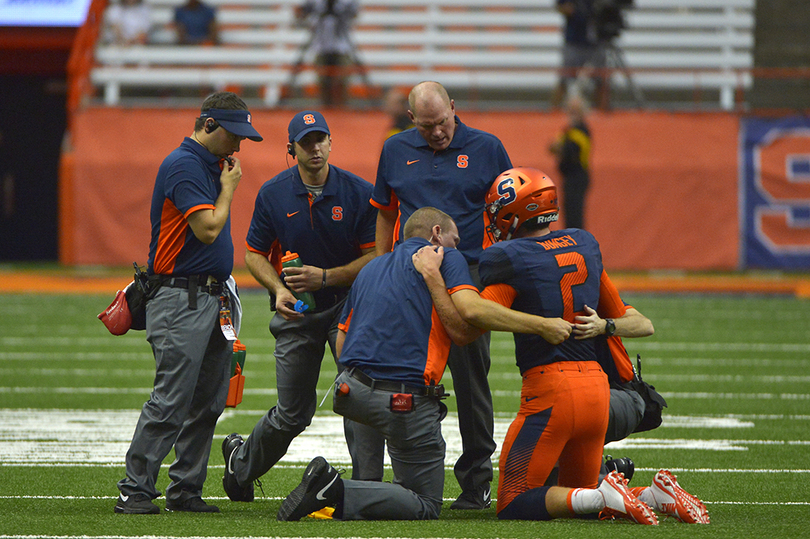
(329, 189)
(191, 144)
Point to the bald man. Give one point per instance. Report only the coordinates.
(444, 164)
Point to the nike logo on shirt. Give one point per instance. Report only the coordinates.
(293, 213)
(414, 161)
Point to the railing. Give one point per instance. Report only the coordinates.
(466, 44)
(81, 60)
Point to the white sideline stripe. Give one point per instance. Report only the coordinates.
(170, 537)
(95, 357)
(722, 347)
(512, 394)
(735, 396)
(95, 372)
(107, 390)
(715, 378)
(60, 437)
(690, 444)
(298, 466)
(719, 470)
(261, 358)
(703, 421)
(139, 341)
(217, 498)
(703, 362)
(696, 395)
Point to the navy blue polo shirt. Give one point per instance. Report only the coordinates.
(327, 232)
(392, 331)
(454, 180)
(187, 181)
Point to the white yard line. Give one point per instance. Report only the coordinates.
(60, 437)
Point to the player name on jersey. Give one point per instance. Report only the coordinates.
(557, 243)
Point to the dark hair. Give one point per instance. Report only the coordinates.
(220, 100)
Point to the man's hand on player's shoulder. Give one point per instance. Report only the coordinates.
(428, 260)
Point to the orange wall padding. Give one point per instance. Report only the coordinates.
(663, 194)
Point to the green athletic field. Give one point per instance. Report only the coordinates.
(734, 370)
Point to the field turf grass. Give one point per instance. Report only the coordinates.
(735, 370)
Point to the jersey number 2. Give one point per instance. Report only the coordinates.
(576, 276)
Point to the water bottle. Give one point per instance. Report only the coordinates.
(236, 386)
(305, 299)
(238, 358)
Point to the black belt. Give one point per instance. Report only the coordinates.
(215, 288)
(435, 391)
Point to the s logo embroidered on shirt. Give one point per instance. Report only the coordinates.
(337, 213)
(462, 161)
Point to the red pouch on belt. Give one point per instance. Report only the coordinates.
(117, 316)
(401, 402)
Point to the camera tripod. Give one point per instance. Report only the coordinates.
(331, 70)
(612, 60)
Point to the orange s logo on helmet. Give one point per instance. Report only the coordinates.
(337, 213)
(309, 119)
(463, 161)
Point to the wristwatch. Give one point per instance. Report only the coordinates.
(610, 327)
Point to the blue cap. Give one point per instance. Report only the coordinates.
(306, 122)
(234, 121)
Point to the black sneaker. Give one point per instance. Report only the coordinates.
(136, 504)
(478, 499)
(192, 505)
(320, 487)
(233, 489)
(623, 465)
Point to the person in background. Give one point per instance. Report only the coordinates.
(395, 105)
(581, 48)
(196, 24)
(330, 23)
(128, 23)
(573, 152)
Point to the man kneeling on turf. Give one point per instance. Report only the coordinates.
(391, 379)
(563, 413)
(393, 351)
